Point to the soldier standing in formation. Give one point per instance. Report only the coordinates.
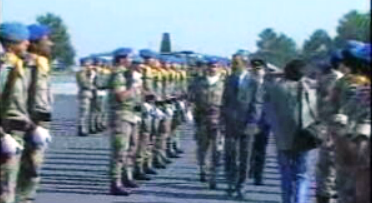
(24, 119)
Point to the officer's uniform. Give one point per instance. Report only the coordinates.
(209, 102)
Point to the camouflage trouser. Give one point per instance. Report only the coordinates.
(326, 171)
(29, 175)
(84, 114)
(175, 139)
(238, 150)
(124, 144)
(352, 160)
(97, 112)
(144, 151)
(162, 137)
(207, 142)
(9, 171)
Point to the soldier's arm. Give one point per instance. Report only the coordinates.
(41, 101)
(119, 85)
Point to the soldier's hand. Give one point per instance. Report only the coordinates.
(41, 137)
(9, 146)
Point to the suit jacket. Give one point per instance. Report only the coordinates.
(242, 103)
(283, 106)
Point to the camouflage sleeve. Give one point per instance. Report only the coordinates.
(14, 111)
(83, 81)
(41, 102)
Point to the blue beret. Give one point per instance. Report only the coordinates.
(147, 53)
(38, 31)
(122, 52)
(14, 32)
(362, 52)
(85, 60)
(137, 60)
(212, 60)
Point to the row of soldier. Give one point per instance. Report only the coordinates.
(144, 99)
(25, 109)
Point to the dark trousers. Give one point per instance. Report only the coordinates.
(238, 150)
(259, 153)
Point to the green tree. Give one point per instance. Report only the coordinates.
(277, 49)
(353, 26)
(63, 51)
(318, 46)
(166, 46)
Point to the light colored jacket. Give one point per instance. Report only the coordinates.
(283, 108)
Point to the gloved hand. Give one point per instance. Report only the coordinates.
(189, 117)
(41, 137)
(10, 146)
(147, 107)
(159, 114)
(341, 119)
(252, 129)
(169, 111)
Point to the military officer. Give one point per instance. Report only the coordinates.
(209, 101)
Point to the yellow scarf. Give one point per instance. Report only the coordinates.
(15, 62)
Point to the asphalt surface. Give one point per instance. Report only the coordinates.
(76, 170)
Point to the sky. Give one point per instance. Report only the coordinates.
(217, 27)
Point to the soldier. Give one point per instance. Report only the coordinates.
(85, 81)
(242, 104)
(209, 101)
(14, 115)
(123, 122)
(261, 139)
(350, 129)
(146, 140)
(142, 154)
(100, 94)
(326, 172)
(40, 109)
(153, 86)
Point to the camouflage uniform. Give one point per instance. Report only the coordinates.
(40, 107)
(326, 172)
(100, 98)
(15, 118)
(209, 101)
(123, 123)
(352, 142)
(85, 81)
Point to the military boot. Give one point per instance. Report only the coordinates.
(118, 189)
(128, 179)
(82, 132)
(170, 152)
(177, 149)
(149, 169)
(139, 174)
